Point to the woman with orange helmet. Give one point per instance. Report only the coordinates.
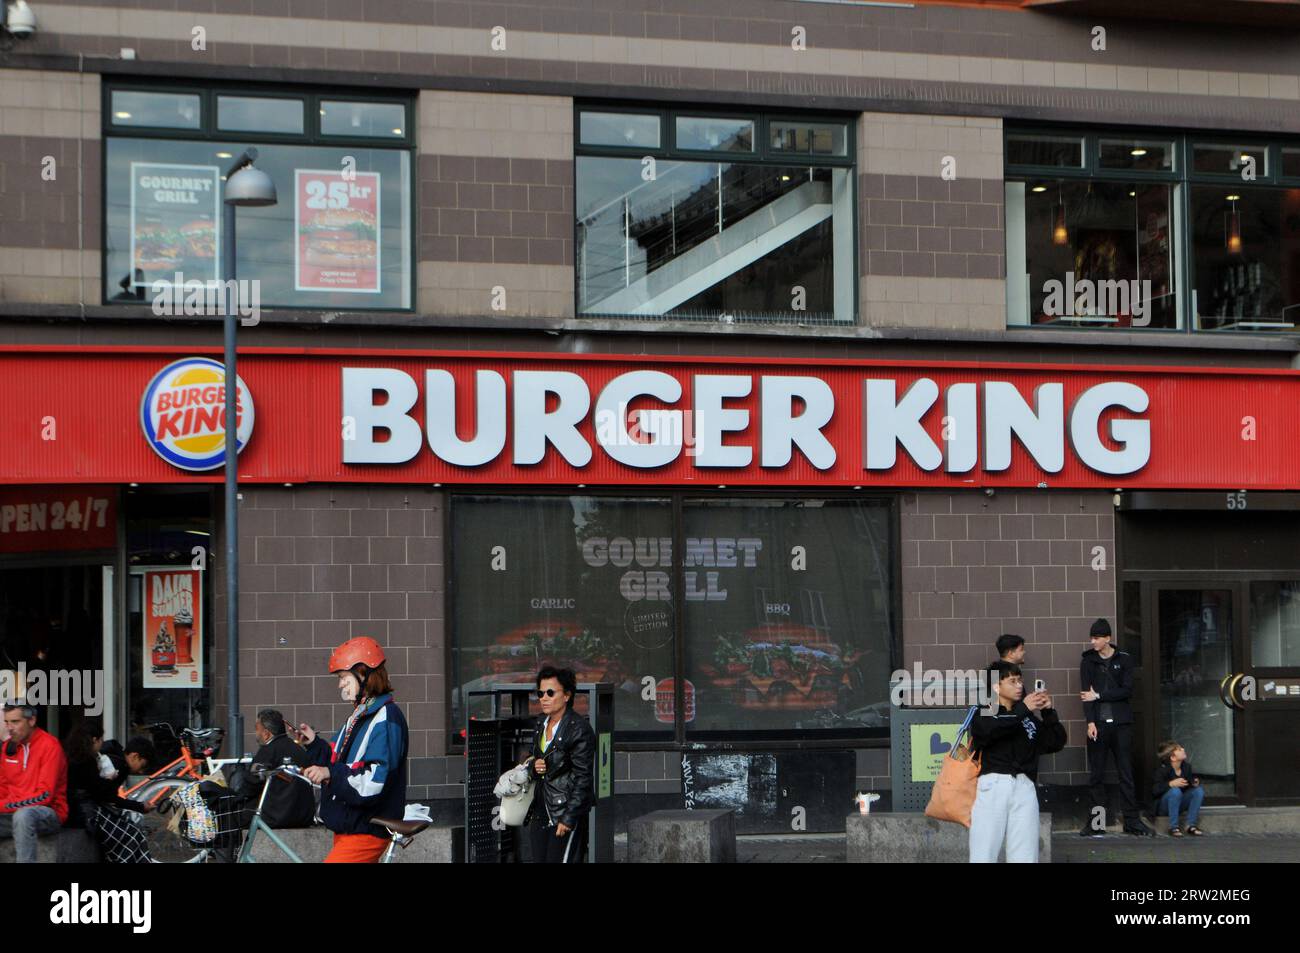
(363, 773)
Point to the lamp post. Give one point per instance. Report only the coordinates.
(249, 187)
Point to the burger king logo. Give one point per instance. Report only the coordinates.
(183, 414)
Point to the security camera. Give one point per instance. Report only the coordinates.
(21, 22)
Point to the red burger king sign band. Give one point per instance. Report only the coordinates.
(336, 231)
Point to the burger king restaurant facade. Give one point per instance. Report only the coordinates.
(826, 521)
(643, 341)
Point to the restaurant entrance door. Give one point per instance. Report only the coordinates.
(1212, 601)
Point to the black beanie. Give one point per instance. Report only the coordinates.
(1100, 627)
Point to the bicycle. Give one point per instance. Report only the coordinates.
(197, 745)
(401, 833)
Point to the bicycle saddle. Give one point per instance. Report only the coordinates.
(405, 828)
(203, 734)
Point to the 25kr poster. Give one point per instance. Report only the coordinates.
(336, 231)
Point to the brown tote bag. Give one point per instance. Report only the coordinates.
(953, 795)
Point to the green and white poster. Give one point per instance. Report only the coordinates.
(929, 745)
(606, 765)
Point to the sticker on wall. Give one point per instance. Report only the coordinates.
(175, 218)
(171, 636)
(336, 231)
(929, 745)
(183, 414)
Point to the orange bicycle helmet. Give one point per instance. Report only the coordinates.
(362, 650)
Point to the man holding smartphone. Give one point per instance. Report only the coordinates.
(1010, 743)
(1106, 677)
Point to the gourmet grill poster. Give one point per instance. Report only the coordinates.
(175, 214)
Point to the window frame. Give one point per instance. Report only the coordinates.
(269, 136)
(1182, 177)
(766, 740)
(763, 154)
(311, 136)
(151, 132)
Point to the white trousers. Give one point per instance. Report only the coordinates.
(1006, 809)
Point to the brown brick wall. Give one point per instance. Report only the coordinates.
(976, 566)
(319, 566)
(496, 209)
(919, 226)
(932, 29)
(49, 222)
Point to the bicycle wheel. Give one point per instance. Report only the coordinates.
(158, 792)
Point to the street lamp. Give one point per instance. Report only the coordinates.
(249, 187)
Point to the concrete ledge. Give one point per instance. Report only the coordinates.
(682, 837)
(68, 846)
(900, 838)
(434, 845)
(1243, 820)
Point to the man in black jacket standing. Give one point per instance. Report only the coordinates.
(1106, 679)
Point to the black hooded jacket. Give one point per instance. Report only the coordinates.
(1112, 679)
(1012, 741)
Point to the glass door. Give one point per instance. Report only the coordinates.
(1271, 709)
(1197, 647)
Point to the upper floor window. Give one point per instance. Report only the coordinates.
(1158, 231)
(339, 236)
(697, 215)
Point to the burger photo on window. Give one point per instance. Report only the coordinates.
(341, 238)
(200, 237)
(157, 249)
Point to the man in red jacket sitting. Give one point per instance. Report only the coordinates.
(33, 782)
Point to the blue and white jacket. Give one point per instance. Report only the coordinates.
(369, 779)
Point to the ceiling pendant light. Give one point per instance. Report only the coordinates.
(1060, 234)
(1234, 231)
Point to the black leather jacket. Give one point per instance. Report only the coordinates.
(565, 793)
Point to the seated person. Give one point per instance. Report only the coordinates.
(33, 782)
(93, 780)
(290, 802)
(139, 754)
(1176, 787)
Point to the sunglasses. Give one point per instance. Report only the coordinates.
(546, 693)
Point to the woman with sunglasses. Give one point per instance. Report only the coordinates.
(564, 748)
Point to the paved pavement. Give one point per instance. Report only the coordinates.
(1067, 848)
(1210, 849)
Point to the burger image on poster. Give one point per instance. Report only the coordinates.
(182, 414)
(341, 238)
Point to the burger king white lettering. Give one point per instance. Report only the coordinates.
(542, 412)
(781, 428)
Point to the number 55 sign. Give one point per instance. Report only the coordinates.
(336, 231)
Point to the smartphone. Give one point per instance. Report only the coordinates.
(1039, 685)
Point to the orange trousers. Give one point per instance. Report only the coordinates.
(357, 849)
